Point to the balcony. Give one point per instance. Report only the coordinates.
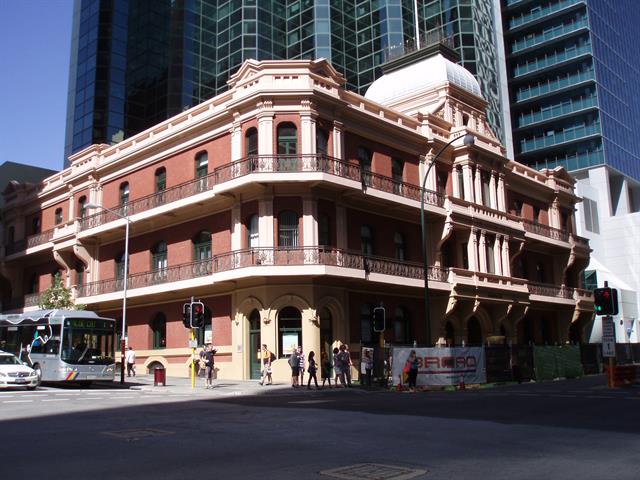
(568, 135)
(556, 32)
(266, 164)
(551, 290)
(556, 111)
(555, 85)
(28, 301)
(30, 242)
(547, 61)
(545, 230)
(267, 257)
(537, 13)
(460, 276)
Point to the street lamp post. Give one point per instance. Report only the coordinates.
(468, 141)
(126, 272)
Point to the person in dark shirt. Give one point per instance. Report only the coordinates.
(208, 356)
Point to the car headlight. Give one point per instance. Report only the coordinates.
(3, 374)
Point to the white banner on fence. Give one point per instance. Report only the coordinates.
(443, 366)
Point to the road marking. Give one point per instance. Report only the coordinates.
(560, 395)
(67, 394)
(17, 401)
(120, 397)
(56, 399)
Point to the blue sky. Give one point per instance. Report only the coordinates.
(35, 38)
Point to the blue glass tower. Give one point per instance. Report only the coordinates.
(573, 82)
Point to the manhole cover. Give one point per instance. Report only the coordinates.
(137, 433)
(373, 471)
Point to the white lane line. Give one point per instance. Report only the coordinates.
(119, 397)
(17, 401)
(67, 394)
(56, 399)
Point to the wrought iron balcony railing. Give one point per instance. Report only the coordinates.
(545, 230)
(260, 257)
(266, 164)
(29, 242)
(550, 290)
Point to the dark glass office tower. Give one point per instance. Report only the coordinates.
(135, 63)
(573, 82)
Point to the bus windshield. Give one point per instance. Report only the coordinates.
(88, 342)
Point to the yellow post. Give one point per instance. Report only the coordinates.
(193, 360)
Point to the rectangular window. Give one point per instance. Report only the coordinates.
(591, 215)
(491, 265)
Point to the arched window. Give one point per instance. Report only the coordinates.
(401, 326)
(253, 232)
(322, 141)
(159, 331)
(474, 332)
(289, 330)
(288, 229)
(82, 207)
(251, 142)
(364, 160)
(202, 246)
(58, 216)
(124, 197)
(397, 173)
(398, 241)
(287, 139)
(366, 240)
(119, 261)
(161, 179)
(366, 323)
(202, 166)
(324, 230)
(159, 257)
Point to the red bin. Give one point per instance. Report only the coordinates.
(159, 377)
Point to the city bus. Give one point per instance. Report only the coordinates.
(62, 345)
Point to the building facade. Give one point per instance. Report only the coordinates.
(137, 63)
(291, 207)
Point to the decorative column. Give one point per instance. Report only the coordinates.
(501, 193)
(236, 138)
(265, 133)
(307, 130)
(338, 140)
(482, 251)
(493, 194)
(72, 205)
(497, 255)
(236, 227)
(554, 214)
(309, 222)
(265, 222)
(455, 182)
(467, 177)
(472, 250)
(477, 183)
(506, 261)
(425, 161)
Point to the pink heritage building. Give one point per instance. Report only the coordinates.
(291, 207)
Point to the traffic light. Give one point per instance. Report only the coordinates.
(606, 301)
(186, 315)
(378, 319)
(197, 314)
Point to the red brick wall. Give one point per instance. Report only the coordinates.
(382, 154)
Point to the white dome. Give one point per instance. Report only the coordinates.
(430, 72)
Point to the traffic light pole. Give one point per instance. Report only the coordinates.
(192, 338)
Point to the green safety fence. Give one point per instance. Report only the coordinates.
(554, 362)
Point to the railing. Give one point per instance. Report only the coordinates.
(556, 111)
(555, 32)
(553, 85)
(545, 230)
(266, 164)
(258, 257)
(561, 137)
(550, 290)
(534, 14)
(580, 241)
(550, 60)
(30, 242)
(32, 300)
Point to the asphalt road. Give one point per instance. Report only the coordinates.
(573, 429)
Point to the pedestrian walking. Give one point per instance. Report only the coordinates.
(130, 358)
(208, 356)
(411, 365)
(326, 368)
(313, 368)
(301, 365)
(348, 363)
(367, 361)
(266, 357)
(338, 366)
(294, 363)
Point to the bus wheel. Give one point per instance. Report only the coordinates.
(38, 371)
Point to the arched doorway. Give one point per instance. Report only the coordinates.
(289, 331)
(254, 344)
(450, 334)
(474, 332)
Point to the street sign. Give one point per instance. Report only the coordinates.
(608, 337)
(193, 343)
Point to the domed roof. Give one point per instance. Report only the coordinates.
(414, 78)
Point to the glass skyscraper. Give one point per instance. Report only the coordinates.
(573, 82)
(135, 63)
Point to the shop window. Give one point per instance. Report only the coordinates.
(289, 331)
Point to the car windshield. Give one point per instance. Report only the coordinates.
(9, 360)
(84, 344)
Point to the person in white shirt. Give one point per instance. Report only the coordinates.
(130, 358)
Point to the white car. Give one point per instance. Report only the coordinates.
(14, 373)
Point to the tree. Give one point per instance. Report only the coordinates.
(58, 297)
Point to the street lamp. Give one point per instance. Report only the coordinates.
(468, 141)
(126, 271)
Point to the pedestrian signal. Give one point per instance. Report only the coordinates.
(606, 301)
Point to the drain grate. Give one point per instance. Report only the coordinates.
(373, 471)
(138, 433)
